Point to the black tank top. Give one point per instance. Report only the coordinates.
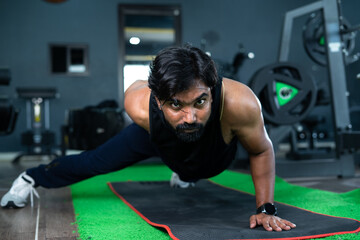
(205, 158)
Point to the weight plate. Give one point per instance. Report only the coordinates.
(287, 93)
(315, 43)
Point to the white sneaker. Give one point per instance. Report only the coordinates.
(17, 196)
(176, 182)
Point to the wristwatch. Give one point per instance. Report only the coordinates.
(267, 208)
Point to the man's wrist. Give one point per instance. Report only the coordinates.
(267, 208)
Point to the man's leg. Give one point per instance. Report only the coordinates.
(131, 145)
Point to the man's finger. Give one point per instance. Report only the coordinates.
(267, 226)
(288, 223)
(253, 221)
(274, 225)
(283, 225)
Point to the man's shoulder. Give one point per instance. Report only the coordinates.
(240, 103)
(238, 95)
(136, 103)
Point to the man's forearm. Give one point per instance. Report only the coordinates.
(263, 175)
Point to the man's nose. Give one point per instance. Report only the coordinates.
(189, 115)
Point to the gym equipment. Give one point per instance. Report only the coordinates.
(210, 211)
(286, 91)
(8, 113)
(341, 161)
(230, 70)
(311, 139)
(38, 138)
(8, 117)
(314, 39)
(91, 126)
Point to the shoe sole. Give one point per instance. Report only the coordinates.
(11, 204)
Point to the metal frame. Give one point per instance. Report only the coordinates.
(343, 163)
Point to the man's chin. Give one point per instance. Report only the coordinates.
(189, 137)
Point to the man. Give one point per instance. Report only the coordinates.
(189, 117)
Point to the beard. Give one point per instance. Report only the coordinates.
(189, 137)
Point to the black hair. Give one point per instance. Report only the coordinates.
(176, 69)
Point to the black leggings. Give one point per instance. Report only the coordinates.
(130, 146)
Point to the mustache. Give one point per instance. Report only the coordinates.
(187, 126)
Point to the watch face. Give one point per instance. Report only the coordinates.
(269, 208)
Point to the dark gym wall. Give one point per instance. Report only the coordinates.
(28, 27)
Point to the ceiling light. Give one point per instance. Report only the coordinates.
(251, 55)
(134, 40)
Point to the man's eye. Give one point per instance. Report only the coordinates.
(175, 105)
(200, 102)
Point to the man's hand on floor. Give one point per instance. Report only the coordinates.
(270, 222)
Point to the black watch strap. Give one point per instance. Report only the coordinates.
(267, 208)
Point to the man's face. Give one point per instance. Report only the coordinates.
(187, 112)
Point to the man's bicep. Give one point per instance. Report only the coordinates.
(251, 131)
(254, 139)
(246, 120)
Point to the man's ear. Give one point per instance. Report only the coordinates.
(158, 103)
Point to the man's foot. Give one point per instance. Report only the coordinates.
(17, 196)
(176, 182)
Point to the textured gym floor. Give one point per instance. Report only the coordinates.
(52, 221)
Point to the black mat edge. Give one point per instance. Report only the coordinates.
(167, 228)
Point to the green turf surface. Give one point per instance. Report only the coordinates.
(100, 214)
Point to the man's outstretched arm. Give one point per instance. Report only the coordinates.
(262, 166)
(247, 124)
